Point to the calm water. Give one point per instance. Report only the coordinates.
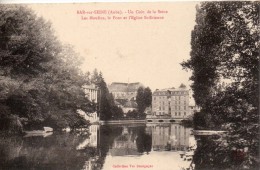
(143, 146)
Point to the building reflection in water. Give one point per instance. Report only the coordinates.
(134, 141)
(125, 144)
(138, 139)
(107, 145)
(171, 137)
(92, 141)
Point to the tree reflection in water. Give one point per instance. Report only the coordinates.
(68, 150)
(53, 152)
(143, 141)
(216, 152)
(78, 152)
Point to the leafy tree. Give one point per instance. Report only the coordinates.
(117, 112)
(104, 109)
(143, 98)
(39, 77)
(95, 77)
(107, 108)
(132, 114)
(225, 64)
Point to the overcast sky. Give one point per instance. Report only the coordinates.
(146, 51)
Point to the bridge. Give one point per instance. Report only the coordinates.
(164, 120)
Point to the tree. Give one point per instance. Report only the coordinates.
(107, 108)
(95, 77)
(225, 68)
(104, 96)
(39, 77)
(224, 46)
(143, 98)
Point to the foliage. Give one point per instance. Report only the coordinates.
(39, 77)
(143, 98)
(225, 45)
(189, 122)
(117, 112)
(107, 108)
(199, 120)
(225, 64)
(134, 114)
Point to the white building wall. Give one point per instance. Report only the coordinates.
(91, 93)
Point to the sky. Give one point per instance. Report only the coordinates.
(146, 51)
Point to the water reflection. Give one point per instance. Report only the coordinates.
(53, 152)
(106, 147)
(172, 137)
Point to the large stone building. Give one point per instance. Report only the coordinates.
(126, 91)
(92, 93)
(125, 95)
(171, 103)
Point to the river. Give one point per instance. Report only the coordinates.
(130, 146)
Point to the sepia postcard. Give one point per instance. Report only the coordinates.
(151, 85)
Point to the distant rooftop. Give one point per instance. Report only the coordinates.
(124, 87)
(172, 89)
(89, 86)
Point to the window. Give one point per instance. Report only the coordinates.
(184, 107)
(184, 113)
(154, 98)
(175, 113)
(179, 113)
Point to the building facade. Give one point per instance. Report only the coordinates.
(92, 93)
(171, 103)
(125, 91)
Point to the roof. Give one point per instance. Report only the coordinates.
(170, 91)
(124, 87)
(117, 103)
(130, 104)
(121, 101)
(132, 87)
(90, 86)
